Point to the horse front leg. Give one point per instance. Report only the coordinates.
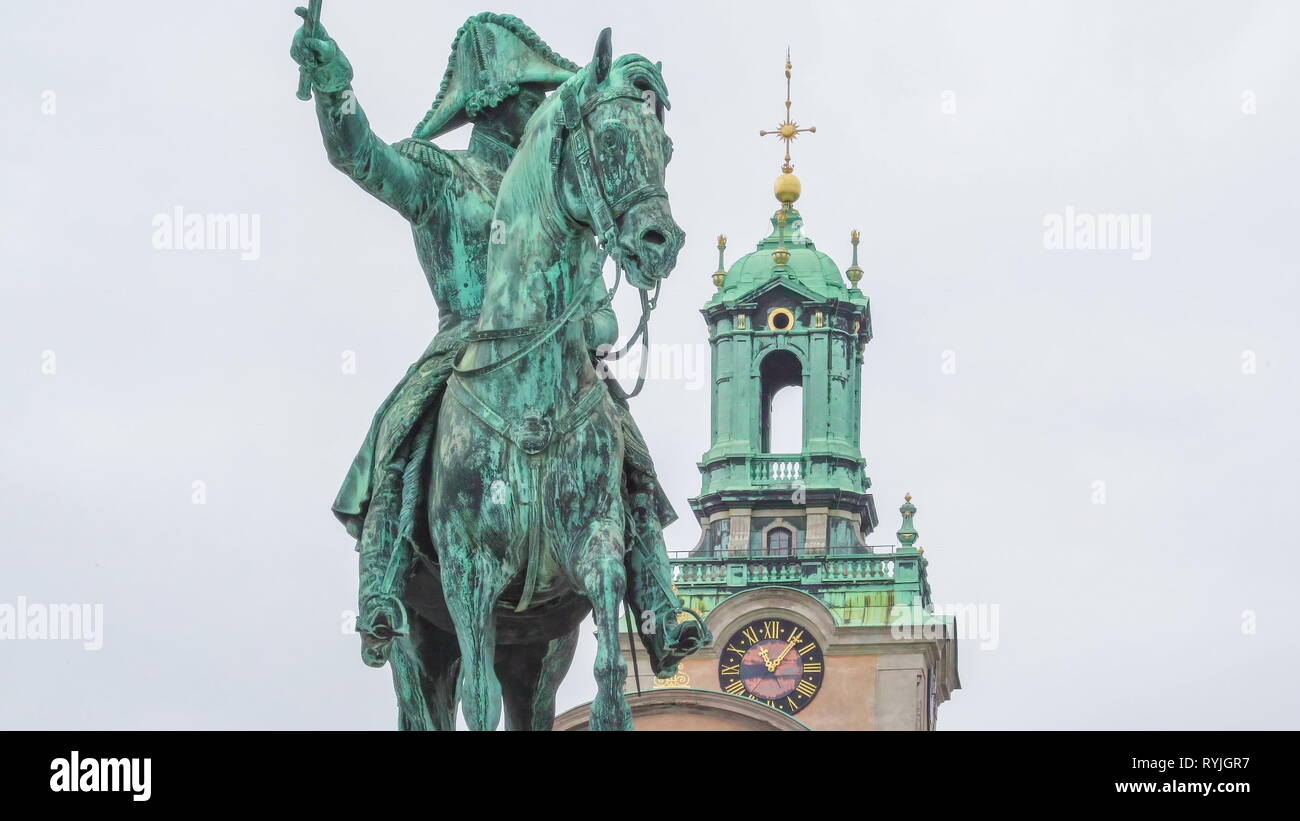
(472, 589)
(604, 581)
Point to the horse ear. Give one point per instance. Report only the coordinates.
(604, 55)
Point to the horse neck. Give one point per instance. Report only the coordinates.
(534, 273)
(530, 276)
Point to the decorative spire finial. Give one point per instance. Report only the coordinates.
(781, 256)
(907, 533)
(787, 185)
(788, 131)
(854, 273)
(720, 275)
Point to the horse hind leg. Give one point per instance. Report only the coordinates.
(439, 664)
(604, 581)
(530, 675)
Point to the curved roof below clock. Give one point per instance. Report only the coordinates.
(686, 708)
(776, 601)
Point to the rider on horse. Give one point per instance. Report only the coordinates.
(499, 73)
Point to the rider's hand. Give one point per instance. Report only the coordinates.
(320, 57)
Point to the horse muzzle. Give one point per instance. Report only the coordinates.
(650, 240)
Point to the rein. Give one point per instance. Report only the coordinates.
(543, 331)
(573, 126)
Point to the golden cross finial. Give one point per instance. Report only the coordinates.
(789, 130)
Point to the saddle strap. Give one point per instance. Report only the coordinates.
(532, 527)
(574, 417)
(503, 333)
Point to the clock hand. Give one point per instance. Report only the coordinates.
(781, 657)
(771, 665)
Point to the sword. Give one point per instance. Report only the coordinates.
(311, 21)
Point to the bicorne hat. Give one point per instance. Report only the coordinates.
(491, 57)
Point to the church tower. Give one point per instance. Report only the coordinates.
(783, 319)
(813, 627)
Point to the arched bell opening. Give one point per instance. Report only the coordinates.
(781, 384)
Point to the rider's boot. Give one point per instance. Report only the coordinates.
(381, 616)
(668, 633)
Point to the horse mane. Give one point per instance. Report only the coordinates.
(534, 152)
(638, 72)
(631, 70)
(626, 71)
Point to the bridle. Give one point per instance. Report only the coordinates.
(573, 127)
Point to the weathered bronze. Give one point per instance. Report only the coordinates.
(491, 524)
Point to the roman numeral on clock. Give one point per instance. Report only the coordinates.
(736, 687)
(807, 688)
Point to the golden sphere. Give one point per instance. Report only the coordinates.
(787, 188)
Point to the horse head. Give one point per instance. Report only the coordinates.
(614, 157)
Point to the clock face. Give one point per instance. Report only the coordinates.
(773, 661)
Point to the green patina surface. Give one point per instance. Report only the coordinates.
(858, 587)
(808, 270)
(503, 491)
(784, 316)
(753, 356)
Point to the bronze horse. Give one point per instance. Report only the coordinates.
(525, 506)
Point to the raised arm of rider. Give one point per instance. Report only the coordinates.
(400, 181)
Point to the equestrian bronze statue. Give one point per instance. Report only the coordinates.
(503, 491)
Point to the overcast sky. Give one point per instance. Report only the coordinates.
(1006, 380)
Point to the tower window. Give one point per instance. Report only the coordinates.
(780, 542)
(781, 378)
